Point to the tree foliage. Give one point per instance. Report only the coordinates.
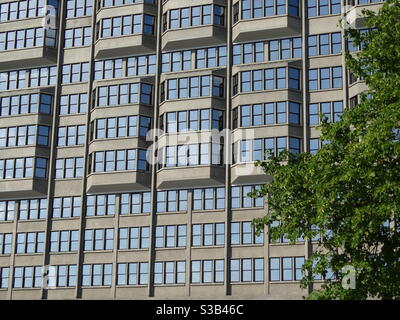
(349, 191)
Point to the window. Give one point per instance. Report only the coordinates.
(96, 275)
(73, 104)
(121, 127)
(192, 155)
(7, 210)
(207, 271)
(118, 160)
(27, 277)
(78, 37)
(171, 201)
(4, 277)
(244, 233)
(194, 120)
(269, 113)
(194, 16)
(171, 236)
(269, 79)
(78, 8)
(26, 38)
(247, 233)
(98, 239)
(209, 199)
(171, 272)
(170, 156)
(30, 242)
(261, 149)
(127, 25)
(62, 276)
(298, 265)
(5, 243)
(210, 57)
(294, 78)
(286, 269)
(76, 72)
(66, 207)
(141, 65)
(282, 239)
(64, 241)
(209, 234)
(17, 10)
(69, 168)
(100, 205)
(23, 168)
(253, 9)
(71, 136)
(290, 48)
(32, 209)
(24, 136)
(323, 44)
(44, 76)
(135, 273)
(135, 203)
(314, 145)
(257, 81)
(123, 94)
(25, 104)
(352, 46)
(149, 24)
(134, 238)
(108, 69)
(274, 269)
(194, 87)
(323, 7)
(325, 110)
(20, 79)
(247, 270)
(332, 111)
(325, 78)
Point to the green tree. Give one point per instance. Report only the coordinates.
(349, 191)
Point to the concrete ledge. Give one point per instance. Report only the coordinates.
(187, 177)
(126, 181)
(194, 37)
(124, 46)
(266, 28)
(27, 58)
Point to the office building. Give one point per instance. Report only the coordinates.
(88, 212)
